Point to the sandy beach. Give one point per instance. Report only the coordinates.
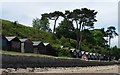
(95, 69)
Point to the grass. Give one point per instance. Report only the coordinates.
(28, 54)
(22, 54)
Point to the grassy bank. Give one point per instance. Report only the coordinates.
(22, 54)
(28, 54)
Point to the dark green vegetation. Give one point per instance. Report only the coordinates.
(76, 30)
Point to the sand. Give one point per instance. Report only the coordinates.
(95, 69)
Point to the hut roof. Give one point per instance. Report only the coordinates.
(86, 52)
(91, 53)
(10, 38)
(35, 43)
(72, 49)
(94, 53)
(23, 40)
(46, 44)
(82, 52)
(99, 54)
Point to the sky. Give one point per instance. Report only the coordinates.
(24, 11)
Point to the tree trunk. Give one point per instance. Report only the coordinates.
(80, 39)
(55, 25)
(77, 35)
(109, 41)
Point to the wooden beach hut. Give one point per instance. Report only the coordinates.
(84, 56)
(91, 56)
(26, 46)
(14, 44)
(87, 55)
(49, 49)
(3, 43)
(73, 52)
(39, 47)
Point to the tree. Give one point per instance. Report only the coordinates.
(65, 29)
(115, 52)
(67, 15)
(54, 16)
(83, 18)
(36, 23)
(98, 35)
(111, 33)
(42, 24)
(45, 17)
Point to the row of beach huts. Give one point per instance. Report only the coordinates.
(92, 56)
(25, 45)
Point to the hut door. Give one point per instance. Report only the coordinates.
(36, 50)
(22, 47)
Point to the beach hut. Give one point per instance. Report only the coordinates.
(26, 46)
(84, 56)
(94, 56)
(73, 52)
(39, 47)
(14, 44)
(80, 54)
(91, 56)
(101, 56)
(87, 55)
(3, 43)
(49, 49)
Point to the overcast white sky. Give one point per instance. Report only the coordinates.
(24, 11)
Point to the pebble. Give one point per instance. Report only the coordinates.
(61, 69)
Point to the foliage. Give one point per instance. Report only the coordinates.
(65, 29)
(42, 24)
(54, 16)
(64, 53)
(36, 23)
(115, 51)
(65, 42)
(111, 33)
(83, 18)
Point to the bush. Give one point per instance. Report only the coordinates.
(64, 53)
